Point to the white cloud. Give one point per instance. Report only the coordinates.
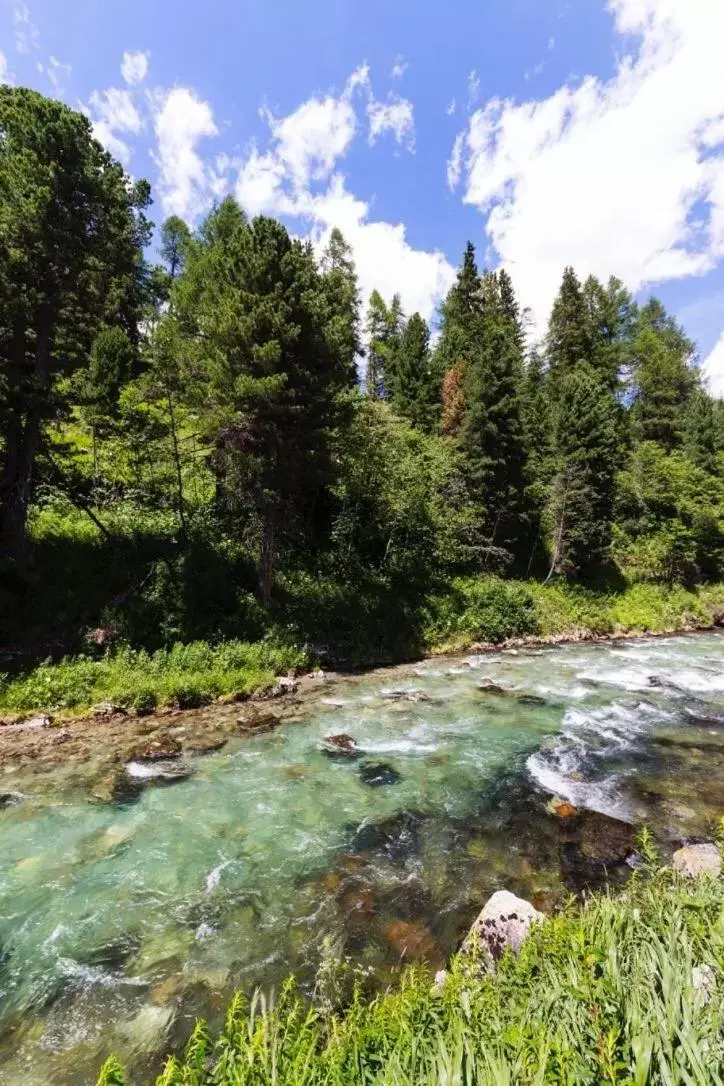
(187, 184)
(134, 67)
(551, 43)
(473, 88)
(713, 369)
(296, 176)
(451, 108)
(27, 35)
(113, 111)
(609, 176)
(399, 67)
(455, 162)
(395, 116)
(4, 75)
(533, 72)
(57, 72)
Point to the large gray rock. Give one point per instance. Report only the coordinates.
(504, 922)
(694, 860)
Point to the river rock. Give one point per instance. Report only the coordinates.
(284, 684)
(405, 695)
(340, 746)
(717, 614)
(487, 686)
(504, 922)
(10, 799)
(161, 747)
(533, 700)
(377, 774)
(108, 708)
(256, 721)
(603, 839)
(692, 861)
(412, 940)
(115, 787)
(163, 771)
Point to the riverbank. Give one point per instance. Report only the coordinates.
(472, 614)
(625, 988)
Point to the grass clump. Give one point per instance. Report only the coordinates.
(605, 993)
(183, 675)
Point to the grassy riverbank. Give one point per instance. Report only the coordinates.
(458, 614)
(604, 993)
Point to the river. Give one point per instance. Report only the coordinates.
(120, 923)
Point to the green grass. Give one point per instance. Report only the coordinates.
(602, 993)
(459, 613)
(184, 675)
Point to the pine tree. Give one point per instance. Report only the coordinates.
(492, 438)
(175, 242)
(415, 387)
(462, 314)
(379, 336)
(454, 398)
(569, 336)
(583, 488)
(663, 379)
(342, 292)
(700, 434)
(611, 314)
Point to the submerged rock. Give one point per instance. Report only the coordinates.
(256, 721)
(487, 686)
(376, 774)
(412, 940)
(341, 746)
(161, 770)
(603, 839)
(531, 699)
(405, 695)
(692, 861)
(396, 838)
(10, 799)
(115, 787)
(503, 924)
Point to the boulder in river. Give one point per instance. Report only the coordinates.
(162, 771)
(257, 721)
(405, 695)
(503, 924)
(10, 799)
(487, 686)
(692, 861)
(377, 774)
(341, 746)
(532, 700)
(412, 940)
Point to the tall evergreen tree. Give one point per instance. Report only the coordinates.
(175, 242)
(340, 282)
(663, 378)
(583, 489)
(259, 334)
(569, 336)
(611, 315)
(72, 233)
(379, 335)
(416, 387)
(700, 432)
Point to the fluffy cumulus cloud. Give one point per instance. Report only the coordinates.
(713, 369)
(112, 112)
(395, 116)
(187, 183)
(298, 175)
(624, 176)
(134, 67)
(4, 76)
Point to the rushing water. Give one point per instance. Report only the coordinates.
(119, 924)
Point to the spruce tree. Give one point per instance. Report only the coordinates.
(583, 487)
(663, 378)
(569, 335)
(342, 295)
(382, 328)
(700, 432)
(492, 438)
(611, 314)
(415, 387)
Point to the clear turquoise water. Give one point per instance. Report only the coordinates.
(119, 924)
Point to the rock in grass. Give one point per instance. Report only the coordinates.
(504, 923)
(377, 774)
(691, 861)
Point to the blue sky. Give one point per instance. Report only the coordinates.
(548, 132)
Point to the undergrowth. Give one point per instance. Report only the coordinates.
(603, 993)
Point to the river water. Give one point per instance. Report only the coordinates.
(120, 923)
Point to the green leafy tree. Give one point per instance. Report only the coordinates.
(72, 232)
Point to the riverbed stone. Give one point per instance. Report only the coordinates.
(412, 940)
(692, 861)
(378, 774)
(604, 839)
(10, 799)
(340, 746)
(161, 747)
(503, 924)
(257, 721)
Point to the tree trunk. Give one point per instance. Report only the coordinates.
(266, 564)
(21, 446)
